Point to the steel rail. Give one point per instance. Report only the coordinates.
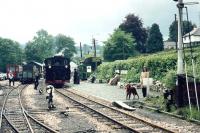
(4, 103)
(15, 129)
(131, 116)
(121, 124)
(26, 115)
(3, 108)
(41, 124)
(29, 125)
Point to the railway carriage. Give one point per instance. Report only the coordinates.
(27, 75)
(57, 71)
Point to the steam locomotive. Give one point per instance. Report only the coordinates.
(57, 71)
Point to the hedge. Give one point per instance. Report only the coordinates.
(159, 65)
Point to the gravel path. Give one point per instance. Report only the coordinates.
(61, 119)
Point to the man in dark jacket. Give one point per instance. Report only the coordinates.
(36, 74)
(76, 77)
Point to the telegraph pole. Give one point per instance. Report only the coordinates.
(94, 43)
(180, 68)
(181, 54)
(176, 27)
(81, 50)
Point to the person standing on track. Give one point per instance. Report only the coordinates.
(50, 89)
(11, 78)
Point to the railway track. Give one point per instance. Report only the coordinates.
(111, 116)
(14, 118)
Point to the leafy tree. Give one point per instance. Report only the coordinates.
(10, 53)
(173, 29)
(155, 40)
(65, 43)
(133, 24)
(40, 47)
(120, 45)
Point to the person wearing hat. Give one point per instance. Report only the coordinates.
(144, 75)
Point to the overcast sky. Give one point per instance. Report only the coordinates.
(83, 19)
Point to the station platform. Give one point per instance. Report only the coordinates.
(107, 92)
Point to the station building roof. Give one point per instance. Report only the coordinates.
(194, 32)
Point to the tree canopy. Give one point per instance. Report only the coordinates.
(10, 52)
(120, 45)
(173, 29)
(155, 40)
(40, 47)
(133, 24)
(65, 43)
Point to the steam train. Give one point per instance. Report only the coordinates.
(57, 70)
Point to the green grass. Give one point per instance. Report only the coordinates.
(157, 102)
(185, 112)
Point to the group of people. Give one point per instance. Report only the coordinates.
(49, 88)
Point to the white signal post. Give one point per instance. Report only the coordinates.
(180, 67)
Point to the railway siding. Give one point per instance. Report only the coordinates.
(134, 124)
(101, 93)
(15, 118)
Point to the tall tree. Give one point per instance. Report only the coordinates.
(66, 44)
(134, 25)
(40, 47)
(119, 46)
(10, 53)
(155, 40)
(173, 29)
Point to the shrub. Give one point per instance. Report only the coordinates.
(170, 79)
(162, 66)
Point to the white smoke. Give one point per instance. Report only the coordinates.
(61, 53)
